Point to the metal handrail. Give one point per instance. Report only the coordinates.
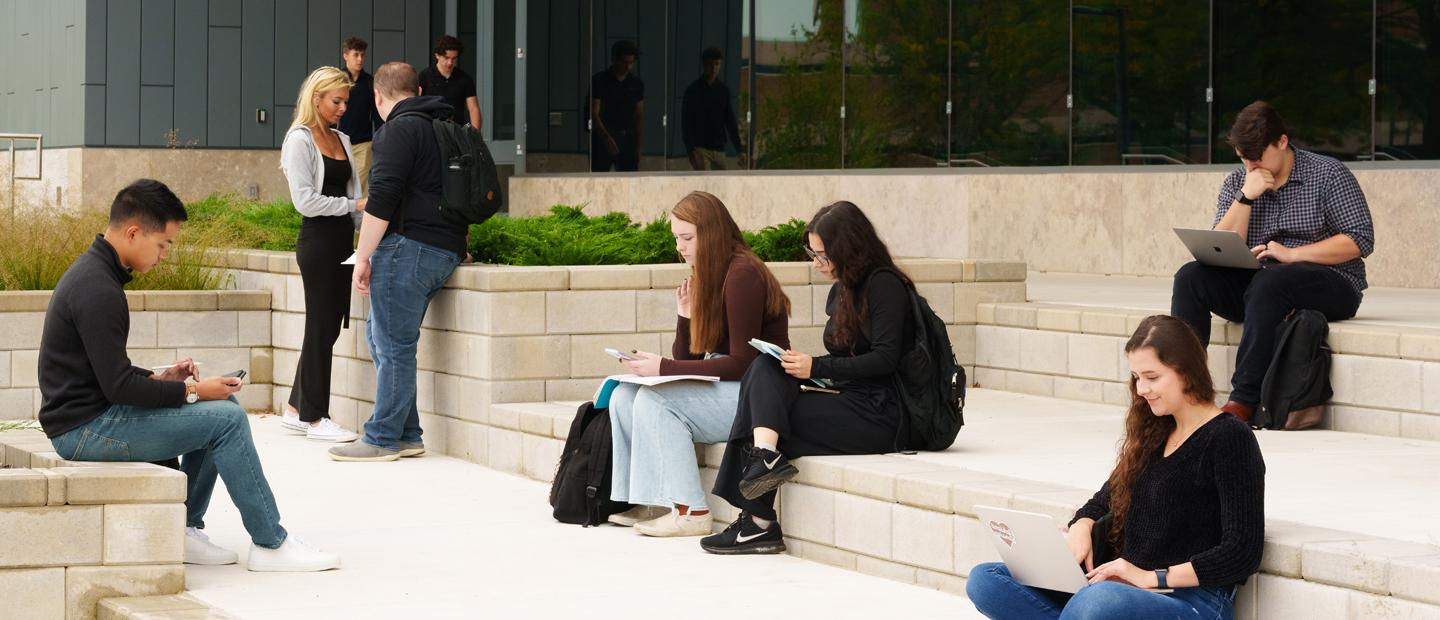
(39, 161)
(1126, 157)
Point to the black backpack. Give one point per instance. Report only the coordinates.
(931, 383)
(470, 185)
(580, 493)
(1297, 384)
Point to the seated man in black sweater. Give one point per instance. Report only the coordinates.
(97, 406)
(1185, 504)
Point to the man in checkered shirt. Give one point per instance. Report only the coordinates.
(1305, 218)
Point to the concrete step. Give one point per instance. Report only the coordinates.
(173, 607)
(1350, 532)
(1386, 378)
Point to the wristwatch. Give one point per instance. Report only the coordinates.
(192, 396)
(1160, 581)
(1241, 198)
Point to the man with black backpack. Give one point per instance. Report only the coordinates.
(408, 248)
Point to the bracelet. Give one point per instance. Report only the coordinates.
(1160, 578)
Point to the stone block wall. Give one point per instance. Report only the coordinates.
(77, 533)
(222, 330)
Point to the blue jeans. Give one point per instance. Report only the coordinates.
(211, 437)
(653, 433)
(997, 595)
(404, 276)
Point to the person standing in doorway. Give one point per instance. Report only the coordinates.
(617, 112)
(707, 118)
(445, 79)
(360, 118)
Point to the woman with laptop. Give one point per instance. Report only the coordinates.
(730, 298)
(1184, 507)
(783, 414)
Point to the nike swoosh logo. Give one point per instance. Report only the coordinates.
(771, 464)
(744, 539)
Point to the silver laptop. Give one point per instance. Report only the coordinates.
(1218, 248)
(1033, 549)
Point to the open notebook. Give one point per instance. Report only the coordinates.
(602, 396)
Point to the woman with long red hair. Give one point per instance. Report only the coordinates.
(729, 298)
(1185, 504)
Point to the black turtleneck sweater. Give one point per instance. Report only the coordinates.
(1204, 504)
(84, 368)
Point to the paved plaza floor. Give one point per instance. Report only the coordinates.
(437, 537)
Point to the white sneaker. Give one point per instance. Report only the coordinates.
(675, 524)
(635, 515)
(293, 556)
(199, 550)
(328, 430)
(291, 421)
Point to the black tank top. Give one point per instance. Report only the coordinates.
(337, 177)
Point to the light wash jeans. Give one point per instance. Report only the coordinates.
(211, 437)
(654, 431)
(404, 276)
(996, 594)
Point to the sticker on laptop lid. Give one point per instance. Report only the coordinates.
(1003, 531)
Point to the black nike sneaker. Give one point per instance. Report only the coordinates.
(743, 537)
(766, 471)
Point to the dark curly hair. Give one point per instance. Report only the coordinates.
(855, 250)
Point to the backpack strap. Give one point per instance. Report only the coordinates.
(428, 119)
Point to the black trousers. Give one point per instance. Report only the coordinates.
(627, 160)
(864, 418)
(324, 243)
(1260, 299)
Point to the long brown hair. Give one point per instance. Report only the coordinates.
(855, 250)
(718, 242)
(1177, 347)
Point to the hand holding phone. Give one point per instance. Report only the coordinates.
(239, 374)
(621, 355)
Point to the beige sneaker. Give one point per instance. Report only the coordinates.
(635, 515)
(675, 524)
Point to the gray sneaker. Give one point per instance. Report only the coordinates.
(361, 451)
(409, 448)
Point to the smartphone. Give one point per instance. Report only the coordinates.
(621, 355)
(239, 374)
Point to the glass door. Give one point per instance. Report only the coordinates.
(501, 46)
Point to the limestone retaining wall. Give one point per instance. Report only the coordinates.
(1105, 220)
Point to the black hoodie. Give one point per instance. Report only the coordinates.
(405, 176)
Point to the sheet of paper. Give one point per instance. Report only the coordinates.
(349, 261)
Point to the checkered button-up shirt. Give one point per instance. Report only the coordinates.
(1320, 200)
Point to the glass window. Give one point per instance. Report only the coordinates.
(1140, 72)
(627, 86)
(502, 125)
(896, 85)
(1010, 73)
(1408, 76)
(556, 85)
(708, 55)
(1308, 58)
(797, 83)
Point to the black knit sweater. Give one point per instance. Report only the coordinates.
(1204, 504)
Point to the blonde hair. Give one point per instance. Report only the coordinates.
(321, 80)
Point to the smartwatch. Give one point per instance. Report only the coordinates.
(1241, 198)
(192, 395)
(1160, 581)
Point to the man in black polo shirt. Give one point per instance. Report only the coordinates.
(1306, 219)
(707, 118)
(445, 79)
(617, 112)
(360, 118)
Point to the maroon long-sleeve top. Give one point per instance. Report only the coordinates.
(744, 299)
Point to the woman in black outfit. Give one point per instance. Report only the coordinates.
(783, 416)
(325, 188)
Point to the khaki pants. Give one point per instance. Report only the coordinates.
(362, 165)
(710, 159)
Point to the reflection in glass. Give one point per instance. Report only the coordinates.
(1140, 72)
(556, 86)
(706, 59)
(502, 119)
(798, 71)
(896, 83)
(1010, 74)
(1308, 58)
(1408, 75)
(627, 86)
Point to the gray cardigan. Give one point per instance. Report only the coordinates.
(305, 171)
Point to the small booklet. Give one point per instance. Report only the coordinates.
(349, 261)
(602, 396)
(776, 352)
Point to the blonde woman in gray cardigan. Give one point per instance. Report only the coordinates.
(325, 188)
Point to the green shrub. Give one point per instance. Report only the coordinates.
(253, 225)
(779, 243)
(569, 237)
